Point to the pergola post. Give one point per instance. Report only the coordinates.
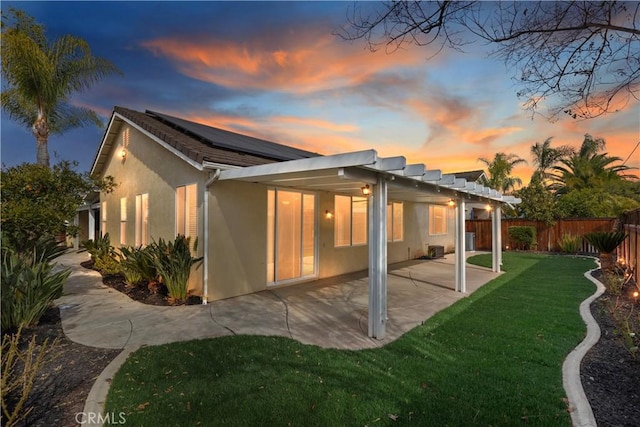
(377, 229)
(496, 238)
(460, 249)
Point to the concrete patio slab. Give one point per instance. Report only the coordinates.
(329, 312)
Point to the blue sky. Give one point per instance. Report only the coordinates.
(275, 70)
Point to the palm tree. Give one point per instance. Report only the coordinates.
(500, 169)
(40, 76)
(588, 168)
(545, 157)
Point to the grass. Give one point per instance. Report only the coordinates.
(494, 358)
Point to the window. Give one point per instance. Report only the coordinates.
(394, 222)
(437, 220)
(103, 218)
(123, 221)
(187, 211)
(142, 219)
(350, 221)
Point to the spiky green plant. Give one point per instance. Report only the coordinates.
(173, 261)
(28, 288)
(569, 243)
(606, 242)
(137, 264)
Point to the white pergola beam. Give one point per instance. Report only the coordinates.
(357, 158)
(390, 163)
(432, 175)
(416, 170)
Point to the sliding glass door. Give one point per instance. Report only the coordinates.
(291, 235)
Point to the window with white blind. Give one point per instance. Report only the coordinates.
(103, 218)
(187, 211)
(395, 228)
(350, 221)
(142, 219)
(437, 220)
(123, 220)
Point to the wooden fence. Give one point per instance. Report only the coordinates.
(547, 236)
(629, 250)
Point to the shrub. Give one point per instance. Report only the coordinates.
(103, 255)
(38, 201)
(606, 242)
(19, 371)
(523, 236)
(173, 261)
(570, 244)
(100, 247)
(28, 287)
(137, 264)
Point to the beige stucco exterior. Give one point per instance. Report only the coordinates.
(238, 239)
(152, 169)
(237, 219)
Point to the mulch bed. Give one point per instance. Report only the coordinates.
(610, 375)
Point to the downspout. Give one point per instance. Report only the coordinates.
(205, 285)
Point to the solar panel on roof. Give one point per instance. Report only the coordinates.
(235, 141)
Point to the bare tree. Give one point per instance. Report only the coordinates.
(580, 58)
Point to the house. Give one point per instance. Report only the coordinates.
(267, 214)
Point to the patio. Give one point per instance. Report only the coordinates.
(329, 313)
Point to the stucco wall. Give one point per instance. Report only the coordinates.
(149, 168)
(238, 239)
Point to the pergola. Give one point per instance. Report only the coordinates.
(387, 177)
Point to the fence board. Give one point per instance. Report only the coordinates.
(547, 236)
(629, 251)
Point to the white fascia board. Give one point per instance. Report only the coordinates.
(357, 158)
(179, 154)
(432, 175)
(102, 143)
(221, 166)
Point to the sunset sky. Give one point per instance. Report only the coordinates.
(274, 70)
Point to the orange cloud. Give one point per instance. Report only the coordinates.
(297, 66)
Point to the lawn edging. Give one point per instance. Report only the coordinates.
(94, 405)
(580, 409)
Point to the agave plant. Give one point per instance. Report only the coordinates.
(569, 243)
(173, 261)
(606, 242)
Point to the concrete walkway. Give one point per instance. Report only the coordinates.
(328, 313)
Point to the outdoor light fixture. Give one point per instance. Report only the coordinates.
(451, 203)
(328, 214)
(123, 154)
(488, 208)
(366, 190)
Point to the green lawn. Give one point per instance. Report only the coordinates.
(494, 358)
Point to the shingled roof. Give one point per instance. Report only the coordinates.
(470, 176)
(200, 142)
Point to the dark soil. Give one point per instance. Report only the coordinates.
(152, 294)
(66, 376)
(610, 373)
